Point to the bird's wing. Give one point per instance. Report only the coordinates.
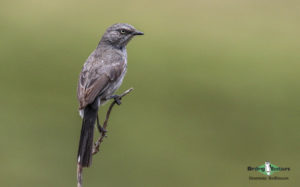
(94, 79)
(88, 92)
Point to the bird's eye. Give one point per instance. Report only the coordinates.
(122, 31)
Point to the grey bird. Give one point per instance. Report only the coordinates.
(101, 75)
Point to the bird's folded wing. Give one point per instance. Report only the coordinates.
(88, 92)
(93, 83)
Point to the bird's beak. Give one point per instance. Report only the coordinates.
(138, 33)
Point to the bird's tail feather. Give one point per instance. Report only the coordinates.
(85, 148)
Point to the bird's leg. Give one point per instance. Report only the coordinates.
(117, 99)
(100, 129)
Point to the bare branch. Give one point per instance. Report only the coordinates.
(79, 175)
(102, 135)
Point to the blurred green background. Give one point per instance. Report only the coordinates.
(216, 90)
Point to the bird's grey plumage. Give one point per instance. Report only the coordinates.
(102, 74)
(104, 70)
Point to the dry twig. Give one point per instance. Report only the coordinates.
(97, 144)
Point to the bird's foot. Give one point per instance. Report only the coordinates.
(100, 128)
(117, 99)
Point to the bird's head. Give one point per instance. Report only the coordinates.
(118, 35)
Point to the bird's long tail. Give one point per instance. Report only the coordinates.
(85, 148)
